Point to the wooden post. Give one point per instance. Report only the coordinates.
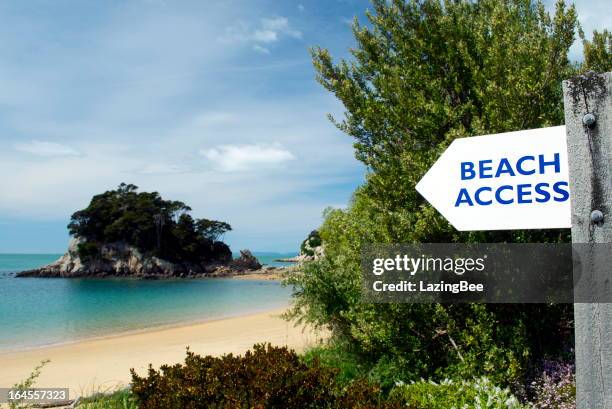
(588, 121)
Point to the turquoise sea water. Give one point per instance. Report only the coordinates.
(42, 311)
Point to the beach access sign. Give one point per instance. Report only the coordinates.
(514, 180)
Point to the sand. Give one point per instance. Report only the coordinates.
(103, 364)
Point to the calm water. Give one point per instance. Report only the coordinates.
(40, 311)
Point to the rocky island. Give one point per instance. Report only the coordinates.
(131, 234)
(310, 249)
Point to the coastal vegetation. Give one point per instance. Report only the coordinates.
(158, 227)
(277, 377)
(273, 377)
(266, 377)
(120, 399)
(422, 74)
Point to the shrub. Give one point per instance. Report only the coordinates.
(267, 377)
(555, 388)
(349, 366)
(480, 393)
(413, 341)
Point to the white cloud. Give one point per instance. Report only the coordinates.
(269, 30)
(261, 49)
(300, 7)
(238, 158)
(265, 36)
(280, 24)
(44, 148)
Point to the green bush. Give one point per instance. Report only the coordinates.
(349, 367)
(412, 341)
(478, 394)
(267, 377)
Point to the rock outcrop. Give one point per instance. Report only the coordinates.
(317, 253)
(246, 261)
(122, 260)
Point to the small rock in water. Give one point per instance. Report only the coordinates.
(246, 261)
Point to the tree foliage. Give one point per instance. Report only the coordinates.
(426, 72)
(412, 341)
(598, 51)
(422, 74)
(150, 223)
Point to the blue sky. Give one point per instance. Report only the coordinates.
(213, 103)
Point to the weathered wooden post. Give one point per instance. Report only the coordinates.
(588, 121)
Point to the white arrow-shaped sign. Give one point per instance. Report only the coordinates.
(514, 180)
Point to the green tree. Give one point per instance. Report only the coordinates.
(212, 229)
(426, 72)
(150, 223)
(422, 74)
(597, 52)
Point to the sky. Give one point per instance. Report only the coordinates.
(213, 103)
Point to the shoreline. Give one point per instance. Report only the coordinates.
(87, 365)
(141, 330)
(264, 275)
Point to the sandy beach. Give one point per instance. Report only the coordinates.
(102, 364)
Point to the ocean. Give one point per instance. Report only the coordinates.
(43, 311)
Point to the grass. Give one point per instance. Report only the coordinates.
(121, 399)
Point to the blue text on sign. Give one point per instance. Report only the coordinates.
(523, 193)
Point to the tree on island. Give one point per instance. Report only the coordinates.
(158, 227)
(311, 242)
